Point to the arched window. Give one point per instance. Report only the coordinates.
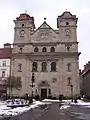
(34, 67)
(35, 49)
(69, 67)
(44, 49)
(52, 49)
(19, 67)
(53, 66)
(44, 66)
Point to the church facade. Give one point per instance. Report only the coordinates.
(52, 55)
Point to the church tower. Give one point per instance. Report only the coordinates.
(67, 24)
(24, 27)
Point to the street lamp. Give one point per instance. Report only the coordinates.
(32, 84)
(71, 92)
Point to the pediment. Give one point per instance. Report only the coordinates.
(44, 84)
(44, 26)
(45, 34)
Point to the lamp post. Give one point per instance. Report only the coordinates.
(32, 85)
(71, 92)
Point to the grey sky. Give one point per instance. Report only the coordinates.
(10, 9)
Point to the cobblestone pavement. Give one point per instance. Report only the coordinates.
(53, 112)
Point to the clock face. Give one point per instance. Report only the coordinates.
(22, 32)
(67, 31)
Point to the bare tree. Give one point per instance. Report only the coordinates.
(13, 82)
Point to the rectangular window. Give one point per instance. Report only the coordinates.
(3, 74)
(4, 63)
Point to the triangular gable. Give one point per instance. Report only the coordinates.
(45, 34)
(45, 26)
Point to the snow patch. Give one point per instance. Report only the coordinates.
(64, 106)
(8, 111)
(50, 100)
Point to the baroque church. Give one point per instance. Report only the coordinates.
(51, 55)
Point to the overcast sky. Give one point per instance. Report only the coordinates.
(10, 9)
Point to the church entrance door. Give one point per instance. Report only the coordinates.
(43, 93)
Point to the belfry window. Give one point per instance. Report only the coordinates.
(34, 67)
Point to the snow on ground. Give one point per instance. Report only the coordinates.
(8, 111)
(49, 100)
(68, 103)
(64, 106)
(79, 102)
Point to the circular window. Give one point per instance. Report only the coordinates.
(22, 25)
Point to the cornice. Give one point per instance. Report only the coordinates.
(43, 55)
(45, 43)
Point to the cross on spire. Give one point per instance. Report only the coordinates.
(25, 11)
